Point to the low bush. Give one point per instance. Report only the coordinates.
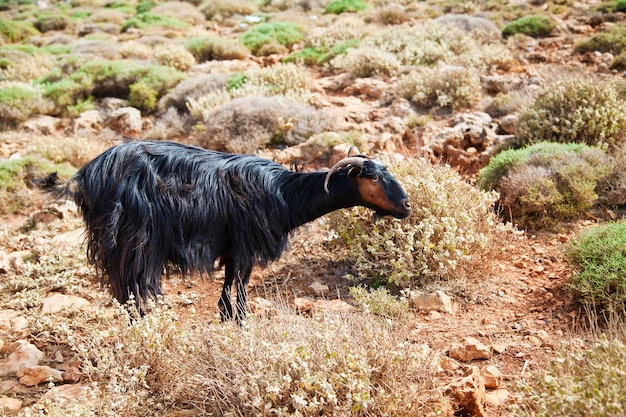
(380, 302)
(451, 232)
(146, 20)
(345, 6)
(19, 101)
(269, 38)
(174, 55)
(16, 177)
(321, 54)
(611, 40)
(575, 110)
(208, 48)
(580, 382)
(535, 26)
(16, 30)
(598, 257)
(249, 123)
(51, 21)
(219, 10)
(443, 86)
(547, 183)
(142, 85)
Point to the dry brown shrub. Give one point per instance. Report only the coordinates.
(247, 124)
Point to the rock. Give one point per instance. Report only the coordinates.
(448, 364)
(24, 355)
(263, 307)
(498, 397)
(492, 377)
(72, 374)
(303, 305)
(88, 122)
(8, 385)
(319, 288)
(7, 319)
(471, 24)
(10, 405)
(57, 302)
(126, 121)
(332, 306)
(507, 124)
(437, 301)
(368, 87)
(469, 349)
(64, 393)
(46, 125)
(467, 394)
(36, 375)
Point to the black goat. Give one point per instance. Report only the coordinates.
(148, 205)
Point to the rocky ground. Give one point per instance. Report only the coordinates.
(499, 331)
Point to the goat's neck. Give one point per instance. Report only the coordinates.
(305, 196)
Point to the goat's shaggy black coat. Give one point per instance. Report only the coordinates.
(148, 205)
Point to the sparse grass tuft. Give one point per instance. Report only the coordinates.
(345, 6)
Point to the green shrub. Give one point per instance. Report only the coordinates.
(345, 6)
(145, 20)
(598, 256)
(19, 101)
(321, 54)
(612, 40)
(442, 86)
(546, 183)
(48, 22)
(16, 176)
(575, 110)
(580, 382)
(380, 302)
(451, 232)
(143, 85)
(535, 26)
(208, 48)
(268, 38)
(16, 31)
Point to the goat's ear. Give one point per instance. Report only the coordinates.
(354, 171)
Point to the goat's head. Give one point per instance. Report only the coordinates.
(377, 188)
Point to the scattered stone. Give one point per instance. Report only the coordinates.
(332, 306)
(24, 355)
(72, 375)
(492, 377)
(57, 302)
(88, 122)
(498, 397)
(36, 375)
(46, 125)
(319, 288)
(469, 349)
(64, 393)
(263, 307)
(448, 364)
(467, 394)
(71, 238)
(437, 301)
(10, 405)
(303, 305)
(498, 348)
(8, 385)
(7, 319)
(126, 121)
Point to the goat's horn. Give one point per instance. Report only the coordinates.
(352, 160)
(355, 149)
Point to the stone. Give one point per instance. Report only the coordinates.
(90, 121)
(319, 288)
(71, 238)
(126, 121)
(332, 306)
(10, 405)
(72, 374)
(303, 305)
(24, 355)
(497, 397)
(46, 125)
(64, 393)
(492, 377)
(36, 375)
(57, 302)
(437, 301)
(7, 318)
(467, 393)
(469, 349)
(507, 124)
(8, 385)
